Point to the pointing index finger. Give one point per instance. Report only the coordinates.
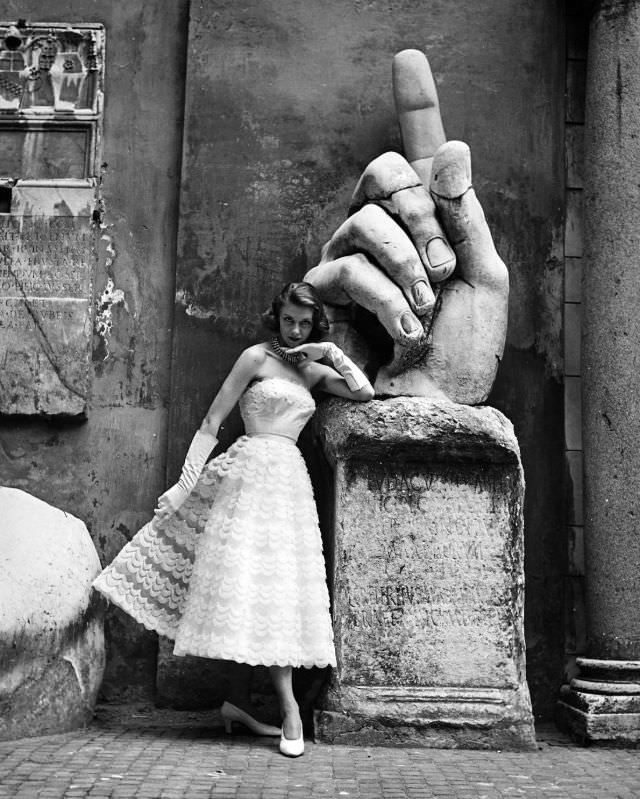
(418, 110)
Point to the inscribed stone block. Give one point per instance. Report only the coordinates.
(47, 254)
(427, 575)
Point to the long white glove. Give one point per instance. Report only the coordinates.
(355, 378)
(200, 449)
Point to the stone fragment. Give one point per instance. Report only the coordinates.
(447, 346)
(51, 635)
(426, 567)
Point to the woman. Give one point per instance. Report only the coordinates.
(231, 566)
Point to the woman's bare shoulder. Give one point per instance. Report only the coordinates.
(255, 355)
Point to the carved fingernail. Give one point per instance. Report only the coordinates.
(409, 323)
(439, 252)
(422, 294)
(451, 170)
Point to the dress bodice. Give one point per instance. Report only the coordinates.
(276, 406)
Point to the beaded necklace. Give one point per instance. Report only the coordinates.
(293, 359)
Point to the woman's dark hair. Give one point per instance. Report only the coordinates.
(302, 294)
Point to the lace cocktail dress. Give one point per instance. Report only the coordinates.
(237, 573)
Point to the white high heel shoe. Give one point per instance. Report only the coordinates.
(292, 748)
(231, 713)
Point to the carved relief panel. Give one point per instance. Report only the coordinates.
(51, 79)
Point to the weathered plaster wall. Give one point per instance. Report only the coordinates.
(109, 469)
(286, 103)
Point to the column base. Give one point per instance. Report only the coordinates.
(602, 706)
(439, 718)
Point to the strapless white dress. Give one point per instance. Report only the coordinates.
(237, 573)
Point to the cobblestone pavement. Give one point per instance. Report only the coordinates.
(168, 755)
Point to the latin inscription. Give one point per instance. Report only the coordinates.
(424, 577)
(45, 313)
(25, 316)
(44, 257)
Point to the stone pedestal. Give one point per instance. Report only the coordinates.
(427, 579)
(602, 704)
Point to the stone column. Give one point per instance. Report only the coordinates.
(425, 559)
(603, 704)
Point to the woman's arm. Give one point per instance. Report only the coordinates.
(205, 439)
(343, 378)
(244, 370)
(333, 383)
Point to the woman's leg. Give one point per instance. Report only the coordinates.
(282, 677)
(238, 707)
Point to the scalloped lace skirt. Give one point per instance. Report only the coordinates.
(238, 572)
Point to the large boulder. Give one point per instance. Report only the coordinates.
(51, 633)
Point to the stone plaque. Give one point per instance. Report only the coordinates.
(426, 553)
(51, 68)
(53, 152)
(47, 257)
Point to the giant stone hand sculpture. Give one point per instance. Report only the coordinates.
(417, 253)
